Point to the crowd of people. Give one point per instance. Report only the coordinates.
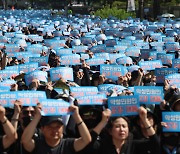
(89, 128)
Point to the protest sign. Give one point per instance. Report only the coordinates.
(12, 48)
(52, 107)
(83, 91)
(174, 79)
(40, 75)
(165, 58)
(113, 71)
(123, 105)
(30, 98)
(172, 120)
(79, 49)
(70, 59)
(95, 61)
(98, 99)
(7, 99)
(176, 63)
(28, 67)
(132, 51)
(98, 48)
(40, 60)
(162, 72)
(149, 94)
(4, 74)
(150, 65)
(61, 72)
(63, 51)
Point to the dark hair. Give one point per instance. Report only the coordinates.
(112, 119)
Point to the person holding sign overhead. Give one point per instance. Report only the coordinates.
(118, 138)
(10, 133)
(52, 135)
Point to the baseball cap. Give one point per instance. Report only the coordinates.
(47, 120)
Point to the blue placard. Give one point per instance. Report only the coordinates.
(35, 37)
(12, 48)
(63, 51)
(86, 40)
(168, 39)
(84, 56)
(30, 98)
(102, 55)
(40, 75)
(35, 48)
(70, 59)
(172, 46)
(79, 49)
(111, 42)
(165, 58)
(7, 83)
(150, 65)
(113, 57)
(176, 63)
(24, 55)
(41, 60)
(113, 71)
(52, 107)
(98, 48)
(110, 49)
(14, 67)
(174, 79)
(95, 61)
(149, 94)
(83, 91)
(120, 47)
(162, 72)
(123, 105)
(7, 99)
(172, 119)
(145, 53)
(61, 72)
(133, 51)
(4, 74)
(156, 44)
(104, 87)
(98, 99)
(124, 60)
(4, 89)
(28, 67)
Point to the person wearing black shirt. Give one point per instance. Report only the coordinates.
(10, 133)
(52, 135)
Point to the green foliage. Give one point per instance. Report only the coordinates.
(115, 12)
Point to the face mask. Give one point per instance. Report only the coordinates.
(26, 121)
(171, 140)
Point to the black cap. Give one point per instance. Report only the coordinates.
(47, 120)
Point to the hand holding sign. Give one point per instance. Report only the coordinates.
(106, 115)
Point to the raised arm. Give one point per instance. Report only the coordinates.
(143, 116)
(15, 117)
(27, 136)
(105, 117)
(10, 133)
(85, 137)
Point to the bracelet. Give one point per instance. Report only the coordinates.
(4, 122)
(78, 124)
(14, 119)
(148, 127)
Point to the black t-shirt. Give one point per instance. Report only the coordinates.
(1, 144)
(66, 146)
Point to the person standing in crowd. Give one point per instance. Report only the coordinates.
(10, 134)
(22, 116)
(52, 135)
(119, 139)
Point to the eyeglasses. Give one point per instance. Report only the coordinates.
(26, 112)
